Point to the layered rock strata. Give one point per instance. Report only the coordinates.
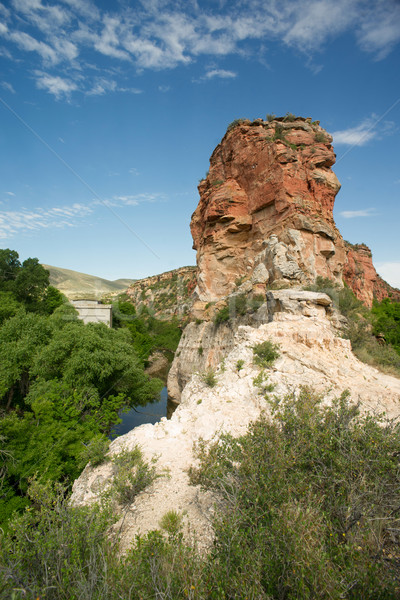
(360, 275)
(265, 215)
(265, 209)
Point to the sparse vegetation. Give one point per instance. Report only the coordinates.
(270, 117)
(320, 137)
(132, 474)
(265, 353)
(209, 378)
(261, 382)
(289, 117)
(234, 124)
(239, 364)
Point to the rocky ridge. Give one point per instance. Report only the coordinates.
(165, 295)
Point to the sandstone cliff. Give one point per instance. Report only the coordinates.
(360, 275)
(266, 214)
(264, 221)
(265, 208)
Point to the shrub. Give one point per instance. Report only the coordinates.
(234, 124)
(320, 137)
(171, 522)
(289, 117)
(265, 353)
(131, 475)
(270, 117)
(200, 350)
(222, 315)
(261, 382)
(95, 451)
(209, 378)
(239, 364)
(309, 504)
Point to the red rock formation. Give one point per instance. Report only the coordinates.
(266, 214)
(268, 199)
(360, 275)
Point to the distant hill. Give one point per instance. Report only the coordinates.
(77, 285)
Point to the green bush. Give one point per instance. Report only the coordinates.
(265, 353)
(319, 137)
(222, 316)
(209, 378)
(239, 364)
(309, 504)
(95, 451)
(131, 475)
(234, 124)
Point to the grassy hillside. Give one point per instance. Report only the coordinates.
(80, 285)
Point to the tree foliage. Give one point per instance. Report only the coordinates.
(62, 383)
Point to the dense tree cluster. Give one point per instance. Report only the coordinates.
(62, 383)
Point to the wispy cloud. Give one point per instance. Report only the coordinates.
(220, 73)
(55, 85)
(7, 86)
(353, 214)
(380, 30)
(364, 132)
(132, 200)
(164, 34)
(13, 222)
(10, 193)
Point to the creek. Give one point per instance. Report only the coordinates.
(151, 413)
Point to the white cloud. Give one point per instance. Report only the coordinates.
(55, 85)
(133, 171)
(352, 214)
(10, 193)
(160, 34)
(25, 221)
(355, 136)
(30, 44)
(220, 73)
(380, 31)
(363, 133)
(7, 86)
(132, 200)
(390, 271)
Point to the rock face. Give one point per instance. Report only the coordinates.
(166, 295)
(265, 214)
(265, 208)
(360, 275)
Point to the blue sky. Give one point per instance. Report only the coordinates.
(109, 112)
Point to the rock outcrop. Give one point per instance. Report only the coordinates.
(165, 295)
(265, 209)
(266, 214)
(360, 275)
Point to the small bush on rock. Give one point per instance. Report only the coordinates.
(265, 353)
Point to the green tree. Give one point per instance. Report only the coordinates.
(9, 266)
(31, 282)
